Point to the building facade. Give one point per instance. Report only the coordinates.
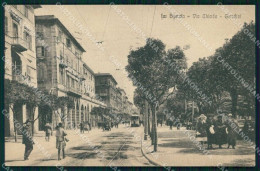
(106, 90)
(20, 59)
(62, 72)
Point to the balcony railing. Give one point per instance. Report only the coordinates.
(73, 91)
(63, 63)
(20, 44)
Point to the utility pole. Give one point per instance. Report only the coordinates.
(146, 120)
(192, 110)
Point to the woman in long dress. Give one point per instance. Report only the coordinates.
(210, 131)
(220, 132)
(231, 133)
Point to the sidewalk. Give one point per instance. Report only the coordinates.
(175, 148)
(14, 151)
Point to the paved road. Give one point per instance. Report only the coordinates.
(119, 147)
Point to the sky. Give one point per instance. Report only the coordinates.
(107, 25)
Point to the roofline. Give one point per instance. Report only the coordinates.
(53, 18)
(106, 74)
(120, 89)
(36, 6)
(85, 65)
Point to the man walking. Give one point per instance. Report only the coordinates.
(60, 140)
(27, 140)
(81, 126)
(48, 132)
(170, 123)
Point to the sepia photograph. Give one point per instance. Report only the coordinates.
(129, 85)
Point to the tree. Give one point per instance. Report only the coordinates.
(139, 101)
(15, 94)
(234, 64)
(202, 88)
(155, 72)
(59, 103)
(20, 94)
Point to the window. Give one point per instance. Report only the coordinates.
(40, 51)
(71, 64)
(61, 55)
(28, 73)
(25, 11)
(28, 38)
(6, 25)
(68, 43)
(68, 79)
(72, 83)
(61, 76)
(76, 84)
(41, 71)
(39, 35)
(15, 30)
(59, 36)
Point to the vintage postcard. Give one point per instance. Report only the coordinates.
(130, 85)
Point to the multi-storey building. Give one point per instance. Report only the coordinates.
(129, 107)
(106, 89)
(20, 58)
(62, 72)
(118, 100)
(123, 100)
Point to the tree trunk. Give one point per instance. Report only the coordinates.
(234, 97)
(15, 130)
(155, 138)
(148, 120)
(152, 132)
(33, 112)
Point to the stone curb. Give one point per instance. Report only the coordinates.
(146, 156)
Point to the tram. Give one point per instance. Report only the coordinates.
(135, 121)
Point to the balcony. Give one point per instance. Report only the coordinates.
(20, 78)
(19, 44)
(73, 91)
(63, 63)
(82, 77)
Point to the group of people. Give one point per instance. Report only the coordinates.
(27, 138)
(220, 131)
(83, 126)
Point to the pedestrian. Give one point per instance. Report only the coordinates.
(27, 140)
(210, 131)
(178, 123)
(81, 126)
(48, 132)
(89, 126)
(231, 133)
(60, 140)
(201, 133)
(220, 132)
(170, 123)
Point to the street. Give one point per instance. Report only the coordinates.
(117, 147)
(122, 147)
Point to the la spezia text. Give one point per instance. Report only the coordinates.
(200, 16)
